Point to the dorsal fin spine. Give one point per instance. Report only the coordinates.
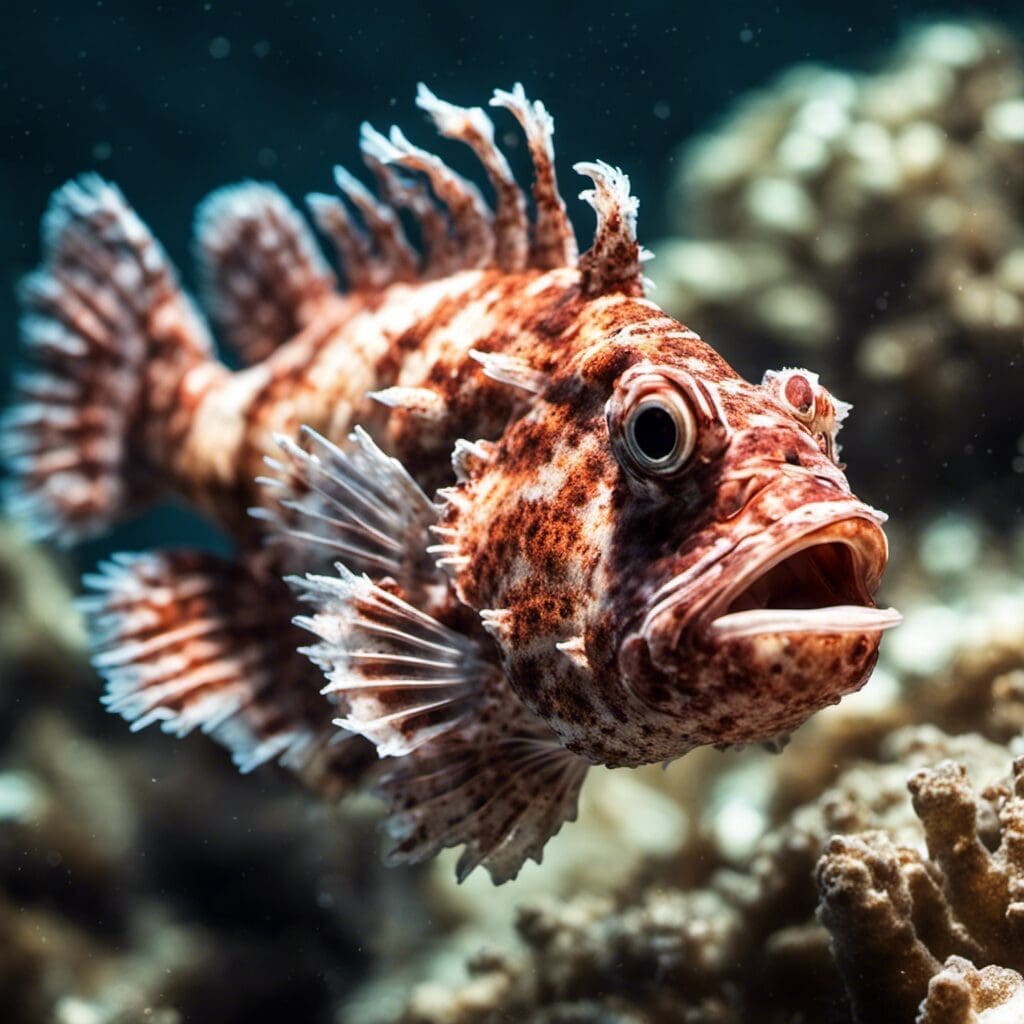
(554, 243)
(473, 127)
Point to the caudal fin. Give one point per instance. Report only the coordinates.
(108, 335)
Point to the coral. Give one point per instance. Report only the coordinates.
(961, 994)
(895, 915)
(745, 945)
(871, 225)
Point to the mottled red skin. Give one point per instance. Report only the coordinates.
(640, 694)
(610, 587)
(560, 572)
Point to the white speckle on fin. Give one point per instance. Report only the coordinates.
(471, 764)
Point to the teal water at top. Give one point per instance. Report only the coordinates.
(171, 101)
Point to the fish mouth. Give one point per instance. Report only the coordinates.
(818, 583)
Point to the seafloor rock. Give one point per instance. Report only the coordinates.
(870, 226)
(745, 946)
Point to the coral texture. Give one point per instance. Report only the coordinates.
(871, 224)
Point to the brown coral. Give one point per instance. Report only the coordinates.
(961, 994)
(871, 224)
(895, 916)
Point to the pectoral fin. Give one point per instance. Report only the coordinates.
(471, 765)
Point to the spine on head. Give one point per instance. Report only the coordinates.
(109, 335)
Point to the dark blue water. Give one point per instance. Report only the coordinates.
(173, 100)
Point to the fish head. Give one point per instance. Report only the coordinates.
(670, 556)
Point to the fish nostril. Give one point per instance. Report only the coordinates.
(792, 458)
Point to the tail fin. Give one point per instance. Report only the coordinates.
(108, 334)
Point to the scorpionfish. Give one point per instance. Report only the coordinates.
(496, 517)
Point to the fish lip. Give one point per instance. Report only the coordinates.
(799, 530)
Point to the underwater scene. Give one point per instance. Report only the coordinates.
(512, 515)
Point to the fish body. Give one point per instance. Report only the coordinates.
(497, 517)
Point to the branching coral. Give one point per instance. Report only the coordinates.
(895, 916)
(961, 994)
(745, 946)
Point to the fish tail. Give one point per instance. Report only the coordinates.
(109, 336)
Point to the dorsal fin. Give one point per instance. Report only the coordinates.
(458, 230)
(355, 256)
(263, 277)
(440, 248)
(473, 127)
(396, 259)
(613, 262)
(470, 217)
(554, 243)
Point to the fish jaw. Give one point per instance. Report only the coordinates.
(778, 627)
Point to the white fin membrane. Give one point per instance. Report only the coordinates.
(193, 642)
(359, 506)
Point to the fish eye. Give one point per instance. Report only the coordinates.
(660, 433)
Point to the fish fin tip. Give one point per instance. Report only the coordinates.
(181, 640)
(263, 276)
(356, 506)
(401, 677)
(613, 262)
(501, 790)
(104, 323)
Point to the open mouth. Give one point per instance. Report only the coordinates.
(816, 585)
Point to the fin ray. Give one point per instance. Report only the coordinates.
(193, 642)
(360, 503)
(107, 334)
(263, 276)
